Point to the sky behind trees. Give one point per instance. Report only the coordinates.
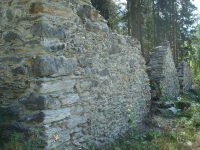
(195, 2)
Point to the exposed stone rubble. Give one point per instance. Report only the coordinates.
(161, 70)
(185, 76)
(63, 70)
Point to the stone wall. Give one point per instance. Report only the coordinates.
(185, 76)
(161, 69)
(63, 70)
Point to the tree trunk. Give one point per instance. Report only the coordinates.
(158, 25)
(133, 18)
(105, 9)
(174, 34)
(129, 26)
(176, 27)
(139, 27)
(170, 34)
(154, 25)
(139, 21)
(102, 8)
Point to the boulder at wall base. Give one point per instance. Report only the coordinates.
(183, 105)
(172, 109)
(168, 111)
(169, 104)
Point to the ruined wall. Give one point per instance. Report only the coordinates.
(63, 70)
(161, 69)
(185, 76)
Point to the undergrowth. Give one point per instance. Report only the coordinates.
(18, 141)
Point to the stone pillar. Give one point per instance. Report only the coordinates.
(185, 76)
(161, 70)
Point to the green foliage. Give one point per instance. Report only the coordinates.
(110, 12)
(195, 64)
(4, 115)
(155, 90)
(18, 141)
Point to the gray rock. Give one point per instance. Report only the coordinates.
(57, 47)
(65, 65)
(10, 96)
(68, 99)
(104, 29)
(19, 70)
(44, 29)
(94, 83)
(43, 66)
(110, 35)
(41, 102)
(132, 63)
(114, 49)
(31, 42)
(173, 110)
(84, 12)
(120, 41)
(89, 71)
(54, 86)
(28, 18)
(76, 49)
(5, 102)
(82, 61)
(2, 66)
(95, 29)
(55, 115)
(105, 72)
(8, 50)
(1, 16)
(36, 118)
(13, 59)
(115, 36)
(11, 36)
(169, 104)
(13, 88)
(88, 26)
(9, 14)
(85, 85)
(106, 82)
(75, 120)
